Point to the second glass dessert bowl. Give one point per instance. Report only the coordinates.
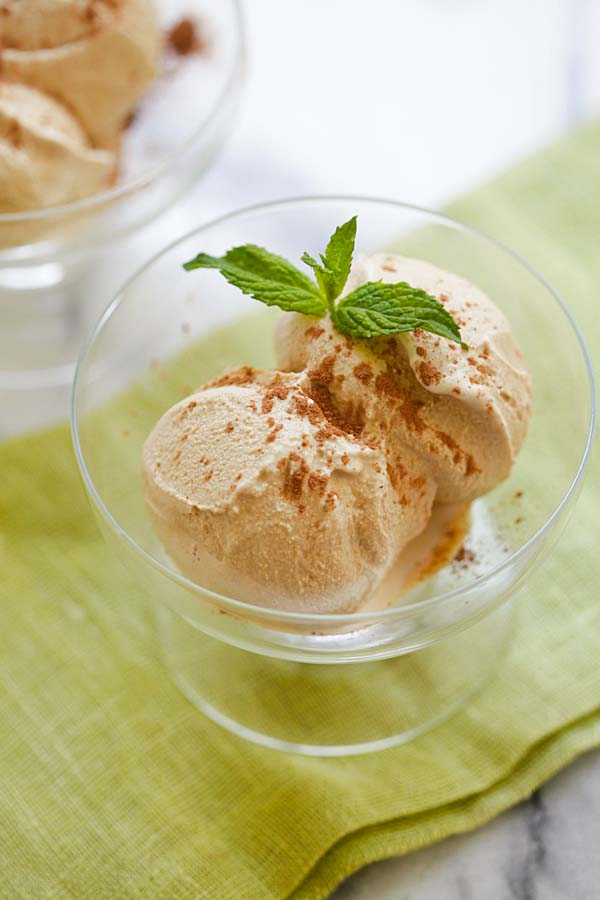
(327, 684)
(59, 265)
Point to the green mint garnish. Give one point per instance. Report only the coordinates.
(333, 274)
(266, 277)
(377, 308)
(372, 310)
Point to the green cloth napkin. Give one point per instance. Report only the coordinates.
(113, 786)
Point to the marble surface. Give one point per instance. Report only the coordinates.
(417, 100)
(544, 849)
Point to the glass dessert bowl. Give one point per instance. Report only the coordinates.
(50, 292)
(328, 684)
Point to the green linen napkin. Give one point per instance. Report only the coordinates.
(113, 786)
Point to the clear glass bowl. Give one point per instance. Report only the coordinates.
(337, 684)
(58, 266)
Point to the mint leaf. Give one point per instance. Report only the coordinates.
(266, 277)
(375, 309)
(338, 254)
(324, 278)
(333, 270)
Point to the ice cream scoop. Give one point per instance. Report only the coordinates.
(259, 492)
(464, 412)
(96, 57)
(45, 156)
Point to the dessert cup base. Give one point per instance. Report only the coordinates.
(332, 709)
(45, 311)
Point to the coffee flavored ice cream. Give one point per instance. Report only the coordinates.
(261, 492)
(96, 57)
(45, 155)
(71, 72)
(300, 489)
(464, 412)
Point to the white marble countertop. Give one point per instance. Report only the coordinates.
(418, 100)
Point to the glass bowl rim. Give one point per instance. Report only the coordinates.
(265, 613)
(152, 173)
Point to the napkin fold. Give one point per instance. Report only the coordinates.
(113, 786)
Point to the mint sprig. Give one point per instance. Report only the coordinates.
(372, 310)
(333, 273)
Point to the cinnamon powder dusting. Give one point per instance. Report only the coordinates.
(411, 413)
(387, 386)
(318, 483)
(294, 477)
(471, 468)
(14, 135)
(448, 441)
(363, 372)
(185, 38)
(273, 434)
(321, 379)
(302, 406)
(428, 374)
(243, 375)
(274, 391)
(330, 499)
(465, 557)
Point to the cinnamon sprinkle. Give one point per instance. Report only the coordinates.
(302, 405)
(471, 468)
(465, 557)
(320, 380)
(243, 375)
(449, 442)
(428, 374)
(274, 391)
(330, 499)
(293, 482)
(363, 373)
(185, 38)
(318, 483)
(410, 412)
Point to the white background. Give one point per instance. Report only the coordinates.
(412, 99)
